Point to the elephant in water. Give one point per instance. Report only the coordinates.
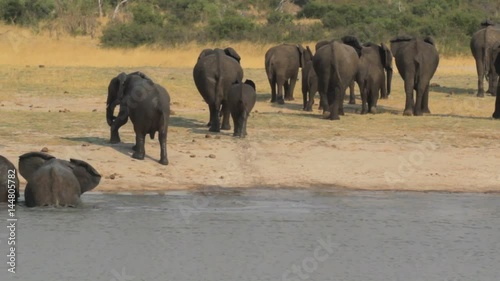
(148, 106)
(282, 68)
(55, 182)
(336, 65)
(417, 61)
(214, 73)
(8, 178)
(481, 46)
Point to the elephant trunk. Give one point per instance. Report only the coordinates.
(110, 108)
(389, 80)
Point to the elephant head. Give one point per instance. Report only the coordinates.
(232, 53)
(386, 58)
(251, 83)
(31, 161)
(353, 42)
(486, 23)
(86, 175)
(115, 94)
(307, 55)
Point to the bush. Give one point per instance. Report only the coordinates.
(230, 27)
(276, 17)
(130, 34)
(25, 12)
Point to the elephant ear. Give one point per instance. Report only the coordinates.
(487, 23)
(250, 83)
(86, 175)
(301, 50)
(386, 56)
(122, 77)
(32, 161)
(232, 53)
(205, 53)
(113, 87)
(429, 40)
(353, 42)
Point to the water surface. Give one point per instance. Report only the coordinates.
(261, 235)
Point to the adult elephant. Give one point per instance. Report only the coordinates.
(282, 68)
(417, 61)
(352, 95)
(481, 45)
(335, 65)
(374, 61)
(9, 181)
(148, 106)
(55, 182)
(495, 65)
(214, 73)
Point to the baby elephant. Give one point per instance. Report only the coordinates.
(55, 182)
(240, 100)
(8, 180)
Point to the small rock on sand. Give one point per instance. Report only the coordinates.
(45, 149)
(211, 156)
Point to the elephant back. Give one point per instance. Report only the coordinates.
(5, 166)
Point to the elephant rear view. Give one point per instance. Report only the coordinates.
(481, 46)
(55, 182)
(241, 99)
(9, 188)
(282, 68)
(417, 61)
(335, 65)
(148, 106)
(496, 67)
(213, 74)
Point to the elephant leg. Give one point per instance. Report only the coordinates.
(383, 90)
(119, 121)
(226, 114)
(291, 87)
(244, 121)
(417, 110)
(425, 101)
(280, 86)
(364, 98)
(272, 83)
(492, 83)
(139, 142)
(286, 87)
(341, 103)
(352, 97)
(372, 99)
(480, 77)
(496, 113)
(162, 136)
(409, 84)
(312, 92)
(337, 101)
(305, 102)
(214, 118)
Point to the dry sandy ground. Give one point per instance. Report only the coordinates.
(453, 150)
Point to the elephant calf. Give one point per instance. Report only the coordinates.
(309, 80)
(8, 172)
(241, 99)
(55, 182)
(496, 66)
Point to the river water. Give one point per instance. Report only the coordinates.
(260, 235)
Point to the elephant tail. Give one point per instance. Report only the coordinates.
(218, 78)
(486, 60)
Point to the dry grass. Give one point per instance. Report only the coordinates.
(77, 73)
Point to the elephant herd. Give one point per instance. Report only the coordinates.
(218, 76)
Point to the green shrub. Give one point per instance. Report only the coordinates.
(230, 27)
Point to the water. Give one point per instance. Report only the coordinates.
(261, 235)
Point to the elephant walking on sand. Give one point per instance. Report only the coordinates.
(495, 66)
(417, 61)
(8, 180)
(55, 182)
(481, 46)
(336, 65)
(309, 81)
(148, 106)
(374, 59)
(282, 68)
(241, 99)
(214, 73)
